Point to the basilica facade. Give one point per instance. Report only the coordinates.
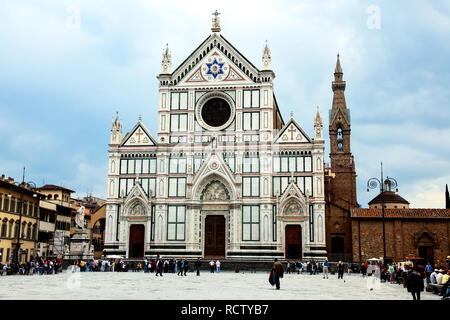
(226, 176)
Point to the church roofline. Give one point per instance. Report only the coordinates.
(130, 133)
(278, 110)
(284, 128)
(191, 56)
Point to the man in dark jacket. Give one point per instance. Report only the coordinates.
(340, 270)
(278, 271)
(198, 264)
(414, 283)
(159, 267)
(186, 266)
(180, 267)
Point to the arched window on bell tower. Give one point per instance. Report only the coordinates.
(340, 140)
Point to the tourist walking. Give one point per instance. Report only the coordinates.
(414, 283)
(159, 267)
(180, 266)
(340, 270)
(325, 268)
(186, 266)
(278, 271)
(217, 266)
(198, 264)
(363, 269)
(175, 265)
(166, 266)
(428, 269)
(212, 265)
(145, 265)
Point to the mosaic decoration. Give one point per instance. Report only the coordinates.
(214, 68)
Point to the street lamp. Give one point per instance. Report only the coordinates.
(373, 183)
(14, 186)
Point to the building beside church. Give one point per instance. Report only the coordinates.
(409, 232)
(226, 175)
(60, 237)
(19, 207)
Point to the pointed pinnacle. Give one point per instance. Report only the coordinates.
(338, 65)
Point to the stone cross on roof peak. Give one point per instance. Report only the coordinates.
(215, 22)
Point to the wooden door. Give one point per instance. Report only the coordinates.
(293, 245)
(136, 248)
(215, 236)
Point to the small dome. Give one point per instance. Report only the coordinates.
(388, 197)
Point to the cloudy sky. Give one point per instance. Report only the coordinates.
(68, 66)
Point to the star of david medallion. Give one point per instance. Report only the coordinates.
(214, 68)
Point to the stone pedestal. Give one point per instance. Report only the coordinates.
(80, 248)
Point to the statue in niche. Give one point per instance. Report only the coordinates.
(215, 191)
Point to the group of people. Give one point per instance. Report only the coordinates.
(412, 276)
(299, 267)
(315, 268)
(36, 265)
(441, 277)
(93, 265)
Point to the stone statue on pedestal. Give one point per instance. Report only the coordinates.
(79, 219)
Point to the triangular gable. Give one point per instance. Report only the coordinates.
(292, 190)
(341, 117)
(215, 67)
(215, 46)
(214, 163)
(292, 133)
(138, 136)
(137, 192)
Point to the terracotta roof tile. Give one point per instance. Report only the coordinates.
(401, 213)
(388, 197)
(54, 187)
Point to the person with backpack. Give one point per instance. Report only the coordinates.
(278, 272)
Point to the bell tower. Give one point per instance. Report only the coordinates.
(340, 180)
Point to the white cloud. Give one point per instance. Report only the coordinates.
(63, 86)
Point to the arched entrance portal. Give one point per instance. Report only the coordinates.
(293, 242)
(136, 241)
(215, 236)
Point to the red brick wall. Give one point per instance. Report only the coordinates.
(400, 240)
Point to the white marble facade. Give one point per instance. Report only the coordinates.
(222, 149)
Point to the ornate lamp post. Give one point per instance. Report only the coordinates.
(15, 186)
(373, 183)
